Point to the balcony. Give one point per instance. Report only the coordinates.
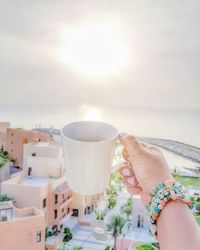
(66, 201)
(62, 216)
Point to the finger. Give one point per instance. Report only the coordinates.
(134, 190)
(126, 171)
(125, 153)
(132, 145)
(130, 181)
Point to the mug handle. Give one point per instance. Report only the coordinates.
(118, 159)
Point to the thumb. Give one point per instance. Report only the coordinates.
(132, 145)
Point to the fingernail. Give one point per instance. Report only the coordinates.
(126, 172)
(131, 181)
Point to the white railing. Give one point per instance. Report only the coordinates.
(126, 228)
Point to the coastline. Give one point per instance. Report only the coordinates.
(178, 148)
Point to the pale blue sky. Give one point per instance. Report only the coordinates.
(164, 57)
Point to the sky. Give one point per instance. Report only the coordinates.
(160, 65)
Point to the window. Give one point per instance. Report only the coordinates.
(55, 214)
(11, 142)
(38, 236)
(44, 202)
(63, 196)
(75, 212)
(12, 134)
(29, 171)
(56, 199)
(33, 154)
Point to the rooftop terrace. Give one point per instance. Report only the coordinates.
(9, 212)
(36, 181)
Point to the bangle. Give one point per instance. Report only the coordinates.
(161, 194)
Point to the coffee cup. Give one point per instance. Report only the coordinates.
(89, 148)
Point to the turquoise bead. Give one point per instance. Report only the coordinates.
(156, 209)
(162, 196)
(166, 193)
(159, 186)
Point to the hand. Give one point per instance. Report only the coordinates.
(145, 166)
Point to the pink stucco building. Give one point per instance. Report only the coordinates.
(22, 229)
(52, 196)
(17, 137)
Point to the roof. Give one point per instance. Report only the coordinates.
(61, 188)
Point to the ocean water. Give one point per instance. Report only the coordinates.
(180, 125)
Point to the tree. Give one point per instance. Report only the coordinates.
(77, 248)
(174, 172)
(116, 223)
(68, 234)
(144, 247)
(198, 207)
(111, 190)
(127, 208)
(111, 202)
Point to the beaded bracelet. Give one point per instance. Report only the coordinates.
(161, 194)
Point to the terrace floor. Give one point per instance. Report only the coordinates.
(82, 236)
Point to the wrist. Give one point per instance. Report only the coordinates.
(162, 194)
(150, 183)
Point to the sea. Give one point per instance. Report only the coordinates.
(175, 124)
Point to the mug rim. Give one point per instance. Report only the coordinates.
(79, 141)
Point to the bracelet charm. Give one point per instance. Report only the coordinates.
(161, 194)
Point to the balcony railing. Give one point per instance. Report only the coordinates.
(65, 201)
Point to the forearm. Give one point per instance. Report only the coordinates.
(177, 228)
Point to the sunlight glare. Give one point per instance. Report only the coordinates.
(96, 49)
(90, 113)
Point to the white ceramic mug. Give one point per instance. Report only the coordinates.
(89, 148)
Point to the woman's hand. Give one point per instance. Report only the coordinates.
(145, 166)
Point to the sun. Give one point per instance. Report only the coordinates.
(90, 113)
(96, 49)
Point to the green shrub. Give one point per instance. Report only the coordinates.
(111, 202)
(144, 247)
(68, 234)
(108, 248)
(5, 197)
(100, 215)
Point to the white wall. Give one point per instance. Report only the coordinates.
(48, 160)
(45, 166)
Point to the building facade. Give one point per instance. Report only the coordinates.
(51, 196)
(15, 140)
(22, 229)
